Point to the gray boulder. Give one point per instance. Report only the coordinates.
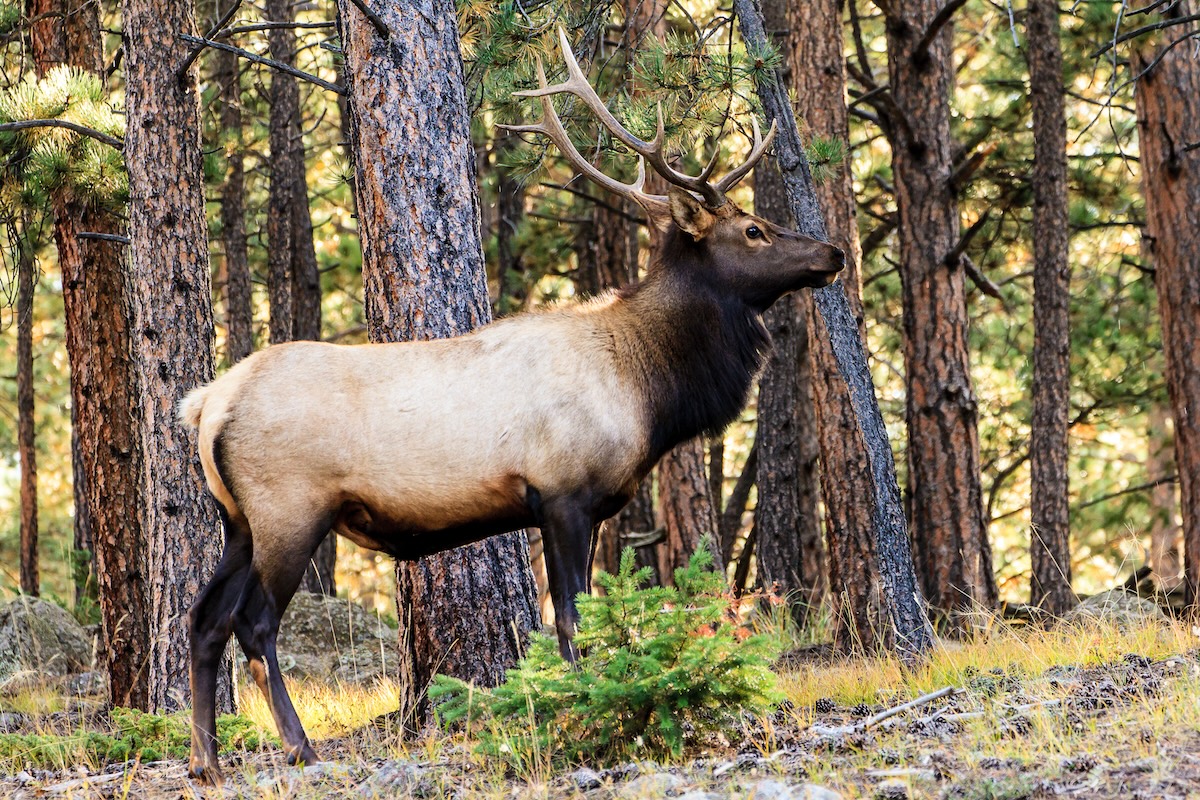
(1117, 607)
(325, 638)
(39, 637)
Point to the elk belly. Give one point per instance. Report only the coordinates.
(416, 523)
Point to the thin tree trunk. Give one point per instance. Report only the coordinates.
(466, 612)
(26, 424)
(790, 553)
(902, 598)
(293, 280)
(1168, 110)
(810, 38)
(1050, 549)
(685, 507)
(172, 345)
(510, 210)
(945, 493)
(239, 322)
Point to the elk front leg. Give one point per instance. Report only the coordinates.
(567, 529)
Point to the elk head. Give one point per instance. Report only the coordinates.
(738, 252)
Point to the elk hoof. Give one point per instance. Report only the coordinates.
(209, 775)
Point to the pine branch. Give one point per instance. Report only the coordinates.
(103, 237)
(181, 73)
(1136, 32)
(83, 130)
(269, 62)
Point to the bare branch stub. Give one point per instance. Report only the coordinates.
(920, 54)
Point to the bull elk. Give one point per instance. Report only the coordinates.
(415, 448)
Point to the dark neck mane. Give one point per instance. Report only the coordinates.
(697, 350)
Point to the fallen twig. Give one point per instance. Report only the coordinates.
(870, 722)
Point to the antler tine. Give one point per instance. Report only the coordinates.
(756, 153)
(551, 127)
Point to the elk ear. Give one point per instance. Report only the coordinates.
(690, 214)
(658, 213)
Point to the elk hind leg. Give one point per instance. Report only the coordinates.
(279, 566)
(210, 623)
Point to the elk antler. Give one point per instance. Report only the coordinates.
(648, 152)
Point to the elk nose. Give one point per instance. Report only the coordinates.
(838, 262)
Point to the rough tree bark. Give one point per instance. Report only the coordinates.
(293, 280)
(424, 278)
(106, 443)
(1050, 511)
(685, 509)
(1168, 111)
(790, 553)
(239, 320)
(812, 49)
(903, 602)
(1164, 557)
(944, 487)
(172, 345)
(26, 424)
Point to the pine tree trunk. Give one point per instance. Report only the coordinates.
(1164, 557)
(1168, 110)
(172, 345)
(790, 554)
(83, 561)
(685, 507)
(98, 319)
(26, 425)
(901, 593)
(465, 612)
(239, 320)
(813, 45)
(945, 494)
(1050, 549)
(293, 280)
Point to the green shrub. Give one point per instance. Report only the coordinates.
(660, 665)
(134, 734)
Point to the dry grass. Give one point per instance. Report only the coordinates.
(1024, 725)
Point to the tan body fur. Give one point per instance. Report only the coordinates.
(426, 436)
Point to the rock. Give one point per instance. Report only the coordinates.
(325, 638)
(38, 636)
(86, 683)
(1117, 607)
(891, 789)
(696, 794)
(652, 786)
(366, 662)
(777, 790)
(399, 779)
(585, 779)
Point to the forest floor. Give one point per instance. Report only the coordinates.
(1080, 712)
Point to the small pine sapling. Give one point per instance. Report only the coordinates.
(659, 665)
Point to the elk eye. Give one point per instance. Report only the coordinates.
(753, 232)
